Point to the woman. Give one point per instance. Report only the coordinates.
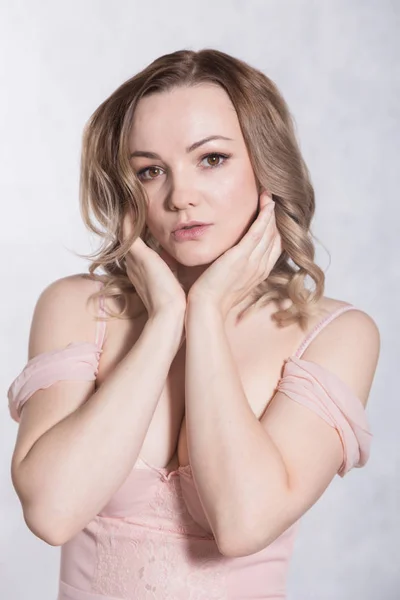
(171, 444)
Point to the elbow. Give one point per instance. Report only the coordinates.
(258, 528)
(236, 546)
(242, 541)
(36, 517)
(237, 541)
(245, 545)
(43, 528)
(39, 525)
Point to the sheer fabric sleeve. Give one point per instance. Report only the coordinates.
(77, 361)
(329, 397)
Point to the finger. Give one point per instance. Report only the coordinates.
(265, 199)
(261, 257)
(171, 262)
(138, 245)
(137, 248)
(127, 226)
(274, 254)
(278, 247)
(264, 217)
(256, 233)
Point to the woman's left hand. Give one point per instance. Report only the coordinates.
(233, 275)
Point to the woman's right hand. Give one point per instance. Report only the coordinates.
(154, 276)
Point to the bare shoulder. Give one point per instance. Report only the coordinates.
(328, 305)
(63, 306)
(78, 284)
(352, 323)
(349, 346)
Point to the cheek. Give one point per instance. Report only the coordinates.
(154, 221)
(238, 187)
(240, 198)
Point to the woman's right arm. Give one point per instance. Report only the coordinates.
(64, 475)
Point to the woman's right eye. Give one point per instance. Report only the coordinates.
(141, 174)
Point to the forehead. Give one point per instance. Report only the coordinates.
(183, 116)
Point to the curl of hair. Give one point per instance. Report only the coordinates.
(109, 186)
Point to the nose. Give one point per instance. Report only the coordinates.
(182, 194)
(181, 201)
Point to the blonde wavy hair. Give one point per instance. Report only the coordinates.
(109, 186)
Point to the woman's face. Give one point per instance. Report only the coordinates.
(213, 182)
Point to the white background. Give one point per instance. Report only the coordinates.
(337, 65)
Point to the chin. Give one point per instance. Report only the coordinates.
(194, 261)
(198, 256)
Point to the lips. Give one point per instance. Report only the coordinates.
(189, 225)
(190, 232)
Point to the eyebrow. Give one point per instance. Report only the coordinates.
(188, 149)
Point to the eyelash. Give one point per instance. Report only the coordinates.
(219, 154)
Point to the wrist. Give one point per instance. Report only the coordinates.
(170, 322)
(200, 309)
(170, 313)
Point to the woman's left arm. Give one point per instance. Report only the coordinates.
(256, 478)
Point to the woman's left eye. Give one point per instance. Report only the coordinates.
(215, 156)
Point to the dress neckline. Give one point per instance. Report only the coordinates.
(164, 471)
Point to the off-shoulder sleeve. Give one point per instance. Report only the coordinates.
(328, 396)
(77, 361)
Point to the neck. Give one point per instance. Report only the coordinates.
(187, 276)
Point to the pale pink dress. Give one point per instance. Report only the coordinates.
(152, 540)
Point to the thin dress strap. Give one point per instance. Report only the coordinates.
(101, 325)
(319, 326)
